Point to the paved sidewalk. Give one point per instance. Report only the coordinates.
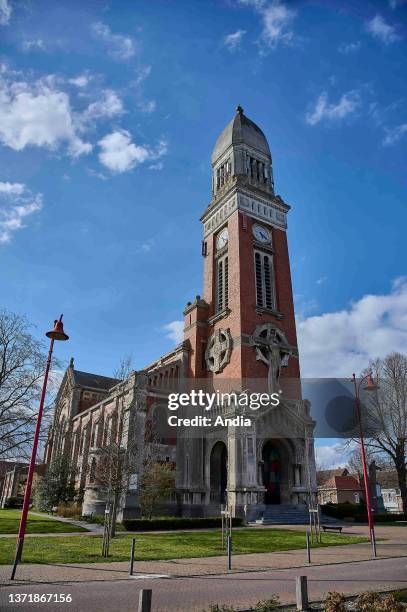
(194, 594)
(395, 545)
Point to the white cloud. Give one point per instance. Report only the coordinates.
(380, 29)
(147, 106)
(336, 344)
(174, 331)
(16, 203)
(276, 20)
(81, 80)
(232, 41)
(120, 154)
(349, 47)
(321, 280)
(109, 105)
(395, 134)
(29, 45)
(36, 114)
(5, 12)
(348, 104)
(119, 46)
(331, 456)
(11, 188)
(157, 166)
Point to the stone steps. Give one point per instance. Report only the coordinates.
(286, 514)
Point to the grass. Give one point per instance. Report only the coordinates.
(401, 595)
(10, 520)
(178, 545)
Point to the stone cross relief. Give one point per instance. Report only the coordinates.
(271, 348)
(218, 350)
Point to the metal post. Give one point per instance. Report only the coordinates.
(365, 473)
(133, 546)
(229, 544)
(144, 601)
(301, 590)
(28, 486)
(374, 543)
(308, 547)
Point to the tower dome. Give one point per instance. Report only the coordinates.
(241, 130)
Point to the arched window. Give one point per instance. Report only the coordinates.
(222, 283)
(92, 471)
(263, 267)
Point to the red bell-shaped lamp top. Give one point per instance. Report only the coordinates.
(58, 332)
(370, 384)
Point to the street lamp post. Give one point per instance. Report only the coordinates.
(370, 386)
(55, 334)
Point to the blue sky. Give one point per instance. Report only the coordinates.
(108, 116)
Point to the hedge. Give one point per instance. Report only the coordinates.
(381, 518)
(175, 522)
(344, 510)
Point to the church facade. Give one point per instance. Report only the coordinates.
(239, 336)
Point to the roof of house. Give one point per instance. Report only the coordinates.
(347, 483)
(324, 476)
(387, 479)
(94, 381)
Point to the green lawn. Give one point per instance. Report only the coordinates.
(86, 549)
(10, 520)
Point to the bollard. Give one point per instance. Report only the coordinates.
(133, 546)
(308, 547)
(144, 600)
(373, 538)
(301, 590)
(229, 544)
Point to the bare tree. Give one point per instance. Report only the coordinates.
(118, 454)
(22, 361)
(156, 485)
(386, 429)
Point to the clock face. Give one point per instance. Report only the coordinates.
(222, 239)
(262, 234)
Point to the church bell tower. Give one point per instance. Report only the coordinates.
(241, 335)
(244, 326)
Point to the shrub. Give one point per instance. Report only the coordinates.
(266, 605)
(346, 509)
(381, 518)
(220, 608)
(375, 602)
(175, 522)
(69, 510)
(335, 602)
(14, 502)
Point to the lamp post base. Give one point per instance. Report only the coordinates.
(17, 559)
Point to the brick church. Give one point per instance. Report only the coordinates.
(239, 335)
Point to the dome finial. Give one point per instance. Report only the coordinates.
(239, 110)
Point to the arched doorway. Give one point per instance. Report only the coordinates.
(219, 473)
(271, 473)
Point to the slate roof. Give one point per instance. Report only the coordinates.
(240, 130)
(94, 381)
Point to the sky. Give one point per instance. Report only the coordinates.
(109, 112)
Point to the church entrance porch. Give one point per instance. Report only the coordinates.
(277, 470)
